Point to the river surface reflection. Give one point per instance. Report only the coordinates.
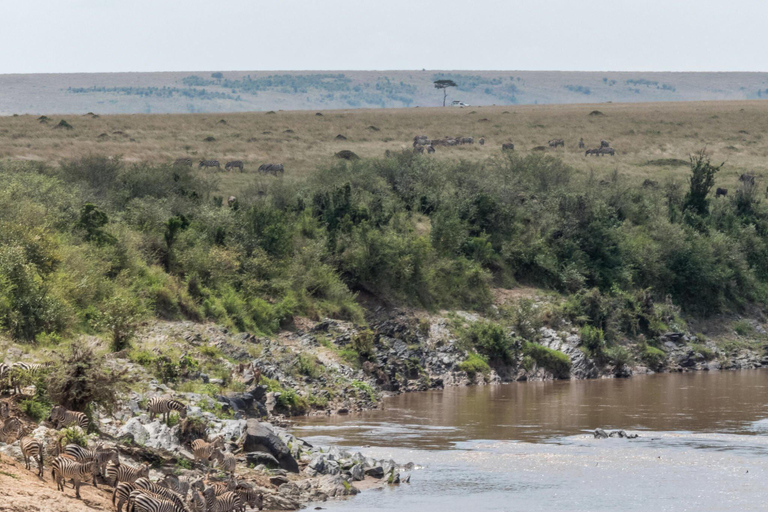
(528, 446)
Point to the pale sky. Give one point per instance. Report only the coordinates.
(55, 36)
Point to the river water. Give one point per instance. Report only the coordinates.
(703, 445)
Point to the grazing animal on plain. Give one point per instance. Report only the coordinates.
(419, 150)
(203, 449)
(62, 417)
(554, 143)
(648, 183)
(63, 468)
(187, 162)
(272, 168)
(481, 142)
(98, 455)
(125, 473)
(607, 151)
(605, 144)
(466, 140)
(430, 149)
(164, 406)
(581, 143)
(32, 449)
(747, 178)
(234, 164)
(231, 201)
(210, 163)
(508, 147)
(721, 192)
(594, 151)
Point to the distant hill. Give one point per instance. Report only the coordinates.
(238, 91)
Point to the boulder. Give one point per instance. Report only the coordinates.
(377, 471)
(261, 458)
(357, 472)
(136, 430)
(260, 438)
(278, 480)
(600, 434)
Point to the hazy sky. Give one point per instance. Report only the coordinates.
(189, 35)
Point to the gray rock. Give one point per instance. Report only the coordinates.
(600, 434)
(261, 459)
(260, 438)
(375, 472)
(358, 472)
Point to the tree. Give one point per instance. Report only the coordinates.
(701, 182)
(218, 76)
(444, 85)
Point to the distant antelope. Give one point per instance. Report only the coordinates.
(747, 178)
(466, 140)
(481, 142)
(508, 147)
(554, 143)
(183, 161)
(234, 164)
(210, 163)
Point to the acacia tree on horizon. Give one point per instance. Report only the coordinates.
(444, 85)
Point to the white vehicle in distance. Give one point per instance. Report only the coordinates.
(458, 103)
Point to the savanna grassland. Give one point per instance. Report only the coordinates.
(648, 138)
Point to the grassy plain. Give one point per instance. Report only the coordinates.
(647, 137)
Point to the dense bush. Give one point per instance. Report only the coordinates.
(552, 360)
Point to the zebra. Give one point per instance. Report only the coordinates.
(250, 497)
(721, 192)
(219, 488)
(273, 168)
(125, 473)
(581, 143)
(196, 501)
(100, 456)
(419, 150)
(234, 164)
(226, 461)
(144, 501)
(430, 149)
(32, 449)
(508, 147)
(121, 494)
(203, 449)
(747, 178)
(607, 151)
(63, 469)
(164, 406)
(605, 144)
(17, 370)
(554, 143)
(61, 417)
(183, 161)
(210, 163)
(226, 502)
(164, 492)
(11, 426)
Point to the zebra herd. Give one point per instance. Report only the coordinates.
(274, 169)
(422, 144)
(132, 487)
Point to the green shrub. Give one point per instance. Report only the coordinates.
(473, 365)
(653, 357)
(618, 356)
(362, 343)
(490, 339)
(743, 328)
(73, 435)
(552, 360)
(308, 365)
(35, 410)
(593, 340)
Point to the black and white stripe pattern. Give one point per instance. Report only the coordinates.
(144, 501)
(234, 164)
(64, 468)
(121, 494)
(164, 406)
(227, 502)
(203, 450)
(272, 168)
(164, 492)
(32, 449)
(98, 455)
(11, 430)
(62, 417)
(125, 473)
(225, 461)
(250, 497)
(210, 163)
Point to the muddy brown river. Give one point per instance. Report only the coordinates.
(703, 445)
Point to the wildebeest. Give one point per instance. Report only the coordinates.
(556, 142)
(430, 149)
(747, 178)
(607, 151)
(183, 161)
(650, 184)
(466, 140)
(605, 144)
(231, 201)
(418, 149)
(721, 192)
(581, 143)
(593, 151)
(273, 168)
(508, 146)
(481, 142)
(210, 163)
(234, 164)
(422, 140)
